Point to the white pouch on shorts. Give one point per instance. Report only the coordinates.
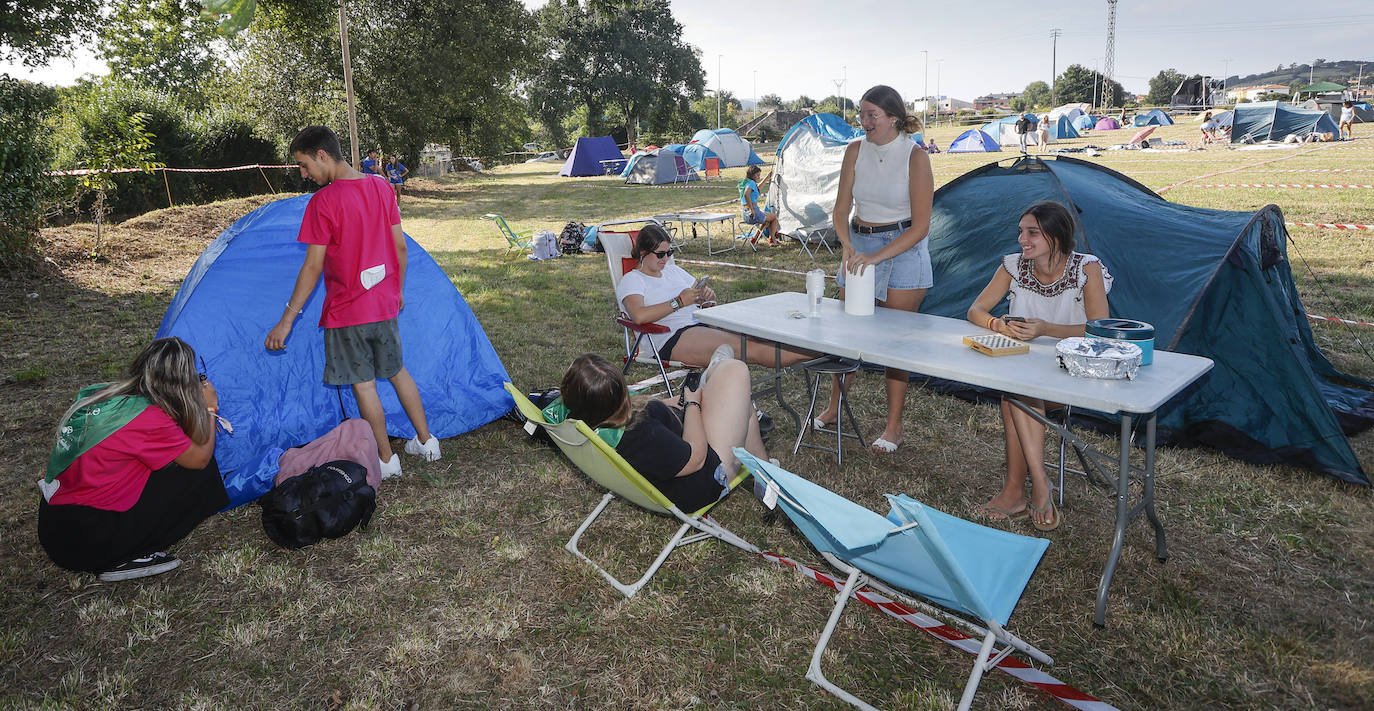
(372, 276)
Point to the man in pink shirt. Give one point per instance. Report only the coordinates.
(353, 230)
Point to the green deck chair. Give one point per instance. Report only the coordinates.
(517, 241)
(599, 460)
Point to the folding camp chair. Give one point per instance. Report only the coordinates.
(963, 567)
(520, 241)
(599, 460)
(649, 335)
(712, 168)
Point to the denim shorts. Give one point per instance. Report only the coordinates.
(908, 270)
(752, 216)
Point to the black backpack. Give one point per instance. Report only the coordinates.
(326, 501)
(570, 239)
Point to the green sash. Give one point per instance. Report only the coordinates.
(556, 412)
(743, 186)
(90, 426)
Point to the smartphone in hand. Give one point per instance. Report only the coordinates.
(1017, 319)
(700, 282)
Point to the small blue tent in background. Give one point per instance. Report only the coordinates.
(1272, 397)
(1275, 120)
(1084, 122)
(1062, 128)
(587, 155)
(658, 167)
(235, 293)
(694, 153)
(1153, 117)
(730, 147)
(973, 141)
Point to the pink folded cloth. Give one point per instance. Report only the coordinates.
(351, 440)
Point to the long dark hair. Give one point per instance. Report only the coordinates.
(165, 374)
(1056, 223)
(595, 392)
(887, 99)
(649, 238)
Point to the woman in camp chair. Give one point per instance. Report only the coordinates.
(663, 293)
(685, 451)
(1053, 291)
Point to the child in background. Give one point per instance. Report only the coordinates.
(353, 230)
(370, 163)
(396, 173)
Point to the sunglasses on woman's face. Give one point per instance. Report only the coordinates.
(663, 254)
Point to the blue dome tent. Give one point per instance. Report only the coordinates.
(1275, 120)
(1272, 397)
(1153, 117)
(1062, 128)
(973, 141)
(235, 293)
(1084, 122)
(587, 154)
(733, 150)
(694, 153)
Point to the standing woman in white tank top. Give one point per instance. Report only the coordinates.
(889, 188)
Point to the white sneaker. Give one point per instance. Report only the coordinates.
(429, 450)
(722, 352)
(391, 467)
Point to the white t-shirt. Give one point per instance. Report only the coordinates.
(1347, 114)
(1060, 302)
(657, 290)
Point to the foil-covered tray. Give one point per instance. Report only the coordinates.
(1097, 358)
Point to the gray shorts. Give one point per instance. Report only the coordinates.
(361, 353)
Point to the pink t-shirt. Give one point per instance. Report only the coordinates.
(111, 475)
(353, 219)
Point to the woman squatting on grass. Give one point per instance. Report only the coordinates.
(1052, 291)
(132, 468)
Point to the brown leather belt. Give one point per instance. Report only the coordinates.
(867, 230)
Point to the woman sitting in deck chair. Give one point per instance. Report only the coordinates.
(749, 206)
(663, 293)
(686, 451)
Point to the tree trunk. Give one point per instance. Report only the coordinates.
(630, 124)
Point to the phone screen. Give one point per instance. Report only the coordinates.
(701, 281)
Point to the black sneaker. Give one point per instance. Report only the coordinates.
(154, 564)
(765, 422)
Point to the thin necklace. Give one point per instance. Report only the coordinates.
(881, 151)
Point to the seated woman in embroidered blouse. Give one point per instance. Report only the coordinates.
(686, 449)
(1052, 291)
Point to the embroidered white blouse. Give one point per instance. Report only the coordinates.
(1059, 302)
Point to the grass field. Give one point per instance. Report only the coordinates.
(460, 595)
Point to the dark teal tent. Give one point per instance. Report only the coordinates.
(1275, 120)
(1153, 117)
(1213, 283)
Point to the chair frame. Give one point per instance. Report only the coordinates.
(622, 480)
(521, 241)
(992, 633)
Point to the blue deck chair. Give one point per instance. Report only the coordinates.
(599, 460)
(963, 567)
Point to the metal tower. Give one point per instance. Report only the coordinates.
(1110, 57)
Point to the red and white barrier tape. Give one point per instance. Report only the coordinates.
(1321, 170)
(1277, 185)
(1011, 665)
(1315, 317)
(89, 171)
(752, 268)
(1332, 225)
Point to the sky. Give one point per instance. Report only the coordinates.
(965, 50)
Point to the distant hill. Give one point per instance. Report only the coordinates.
(1342, 72)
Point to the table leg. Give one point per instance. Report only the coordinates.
(1148, 486)
(1123, 480)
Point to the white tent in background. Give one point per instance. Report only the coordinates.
(734, 151)
(1073, 111)
(808, 172)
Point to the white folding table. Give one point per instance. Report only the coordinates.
(708, 219)
(933, 346)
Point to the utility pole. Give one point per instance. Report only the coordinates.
(1359, 80)
(1109, 60)
(348, 84)
(844, 93)
(839, 91)
(756, 93)
(1054, 63)
(926, 90)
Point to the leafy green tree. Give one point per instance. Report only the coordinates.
(705, 109)
(770, 101)
(801, 102)
(1163, 86)
(35, 31)
(163, 44)
(115, 143)
(1077, 84)
(1035, 95)
(24, 156)
(625, 54)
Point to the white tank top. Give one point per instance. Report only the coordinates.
(881, 183)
